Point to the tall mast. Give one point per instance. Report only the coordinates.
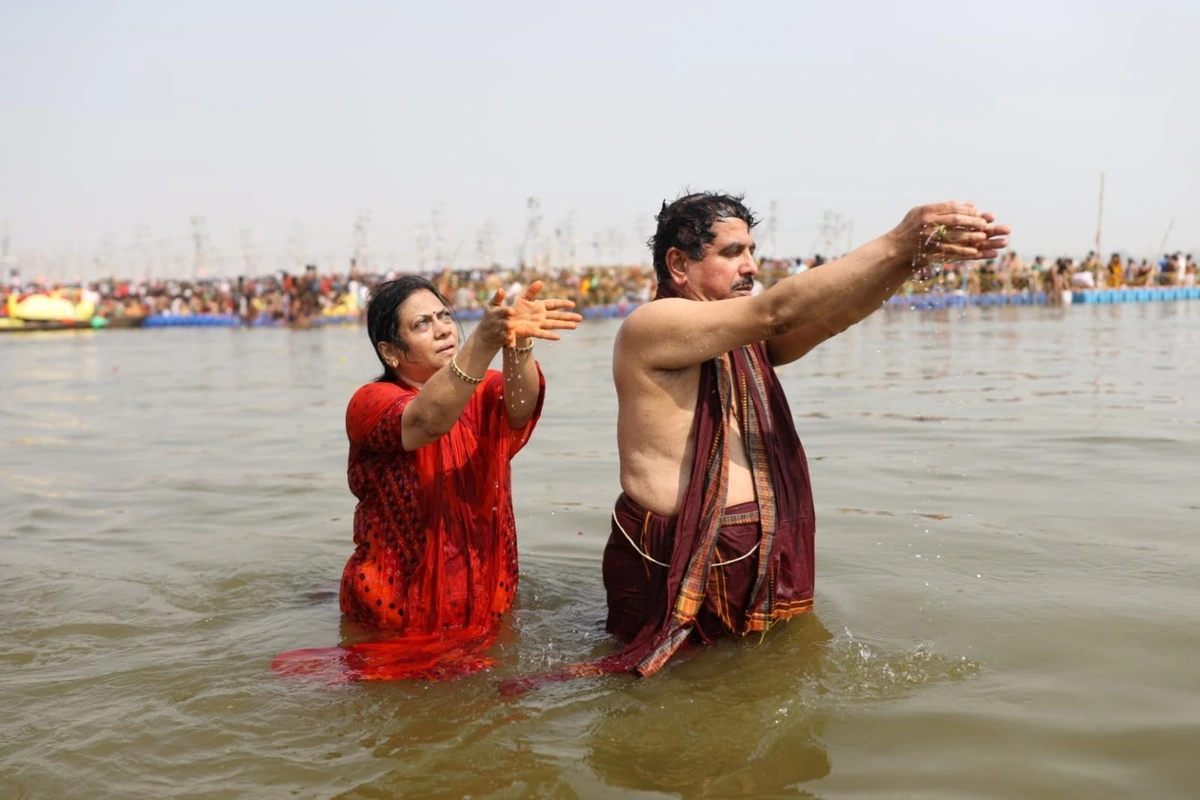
(200, 263)
(249, 253)
(362, 244)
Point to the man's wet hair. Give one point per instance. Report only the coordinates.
(687, 224)
(383, 324)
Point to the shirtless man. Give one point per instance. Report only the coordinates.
(713, 532)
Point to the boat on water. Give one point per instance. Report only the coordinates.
(10, 325)
(47, 312)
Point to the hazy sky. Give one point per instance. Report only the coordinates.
(120, 121)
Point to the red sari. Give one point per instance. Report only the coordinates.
(435, 559)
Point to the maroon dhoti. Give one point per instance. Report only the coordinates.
(637, 570)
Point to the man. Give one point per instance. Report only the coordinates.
(713, 533)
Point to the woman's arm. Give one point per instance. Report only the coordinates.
(437, 407)
(433, 412)
(521, 383)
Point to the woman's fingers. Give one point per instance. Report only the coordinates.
(534, 290)
(532, 332)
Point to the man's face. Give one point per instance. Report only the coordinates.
(728, 267)
(429, 334)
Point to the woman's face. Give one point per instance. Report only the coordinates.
(429, 336)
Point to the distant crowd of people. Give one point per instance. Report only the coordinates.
(1011, 273)
(297, 299)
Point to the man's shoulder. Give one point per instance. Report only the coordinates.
(654, 318)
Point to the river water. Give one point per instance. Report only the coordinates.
(1008, 570)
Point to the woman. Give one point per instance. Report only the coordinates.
(435, 560)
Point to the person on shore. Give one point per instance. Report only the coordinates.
(435, 559)
(1116, 272)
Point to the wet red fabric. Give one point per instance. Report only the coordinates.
(435, 560)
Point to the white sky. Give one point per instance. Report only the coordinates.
(120, 121)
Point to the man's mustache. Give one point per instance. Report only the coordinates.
(745, 283)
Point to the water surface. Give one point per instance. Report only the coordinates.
(1007, 592)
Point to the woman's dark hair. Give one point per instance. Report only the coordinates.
(687, 224)
(383, 324)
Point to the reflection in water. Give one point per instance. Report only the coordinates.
(710, 732)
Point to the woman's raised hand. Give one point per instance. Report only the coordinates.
(529, 317)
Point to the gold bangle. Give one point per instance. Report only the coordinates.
(520, 350)
(454, 368)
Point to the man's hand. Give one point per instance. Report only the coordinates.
(948, 232)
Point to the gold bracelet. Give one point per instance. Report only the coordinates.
(520, 350)
(459, 373)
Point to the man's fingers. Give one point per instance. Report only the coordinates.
(564, 315)
(558, 303)
(962, 221)
(498, 297)
(951, 207)
(964, 237)
(957, 252)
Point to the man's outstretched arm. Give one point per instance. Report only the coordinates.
(946, 244)
(803, 310)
